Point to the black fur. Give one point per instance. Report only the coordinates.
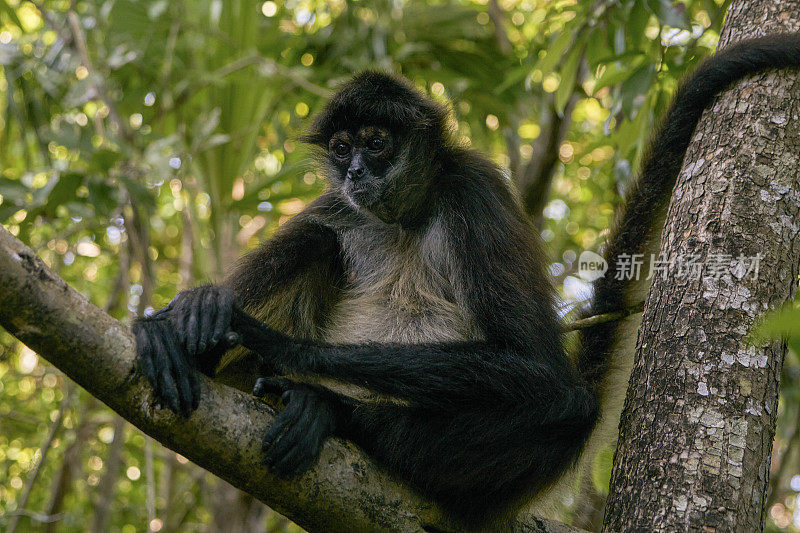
(479, 424)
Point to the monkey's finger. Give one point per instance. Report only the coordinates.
(143, 351)
(190, 389)
(297, 458)
(271, 385)
(151, 357)
(181, 372)
(284, 420)
(305, 451)
(194, 382)
(191, 322)
(224, 310)
(295, 461)
(297, 447)
(232, 339)
(186, 397)
(166, 390)
(190, 334)
(207, 320)
(294, 432)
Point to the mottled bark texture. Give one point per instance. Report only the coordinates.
(699, 419)
(344, 492)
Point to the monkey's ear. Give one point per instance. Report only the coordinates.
(322, 127)
(313, 137)
(316, 134)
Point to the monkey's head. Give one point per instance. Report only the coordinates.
(382, 142)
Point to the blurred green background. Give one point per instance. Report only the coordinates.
(145, 144)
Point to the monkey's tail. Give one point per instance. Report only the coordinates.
(638, 225)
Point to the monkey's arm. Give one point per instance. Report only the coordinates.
(442, 375)
(304, 242)
(190, 332)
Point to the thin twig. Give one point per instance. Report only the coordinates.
(39, 517)
(593, 320)
(149, 472)
(496, 14)
(106, 487)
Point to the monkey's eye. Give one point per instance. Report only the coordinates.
(376, 144)
(341, 149)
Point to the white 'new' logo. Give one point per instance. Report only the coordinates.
(591, 266)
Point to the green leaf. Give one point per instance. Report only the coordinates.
(635, 88)
(631, 132)
(138, 192)
(637, 22)
(668, 13)
(555, 52)
(569, 73)
(63, 191)
(597, 48)
(12, 190)
(794, 347)
(512, 78)
(615, 73)
(6, 210)
(102, 197)
(103, 159)
(9, 11)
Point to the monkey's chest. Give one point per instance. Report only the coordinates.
(407, 303)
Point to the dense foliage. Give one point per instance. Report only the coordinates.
(145, 143)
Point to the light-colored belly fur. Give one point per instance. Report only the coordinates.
(401, 288)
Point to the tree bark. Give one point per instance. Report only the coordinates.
(699, 419)
(344, 492)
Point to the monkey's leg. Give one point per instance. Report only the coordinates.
(479, 463)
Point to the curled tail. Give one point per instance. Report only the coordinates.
(638, 225)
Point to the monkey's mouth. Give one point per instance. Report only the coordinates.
(363, 195)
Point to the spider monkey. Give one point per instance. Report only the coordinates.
(416, 278)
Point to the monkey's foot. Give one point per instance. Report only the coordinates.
(294, 441)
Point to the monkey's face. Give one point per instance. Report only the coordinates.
(361, 164)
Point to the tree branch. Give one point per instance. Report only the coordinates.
(344, 492)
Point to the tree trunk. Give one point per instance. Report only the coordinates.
(699, 419)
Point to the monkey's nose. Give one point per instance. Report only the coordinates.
(355, 173)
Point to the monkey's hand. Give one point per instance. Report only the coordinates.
(165, 365)
(190, 334)
(201, 318)
(293, 443)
